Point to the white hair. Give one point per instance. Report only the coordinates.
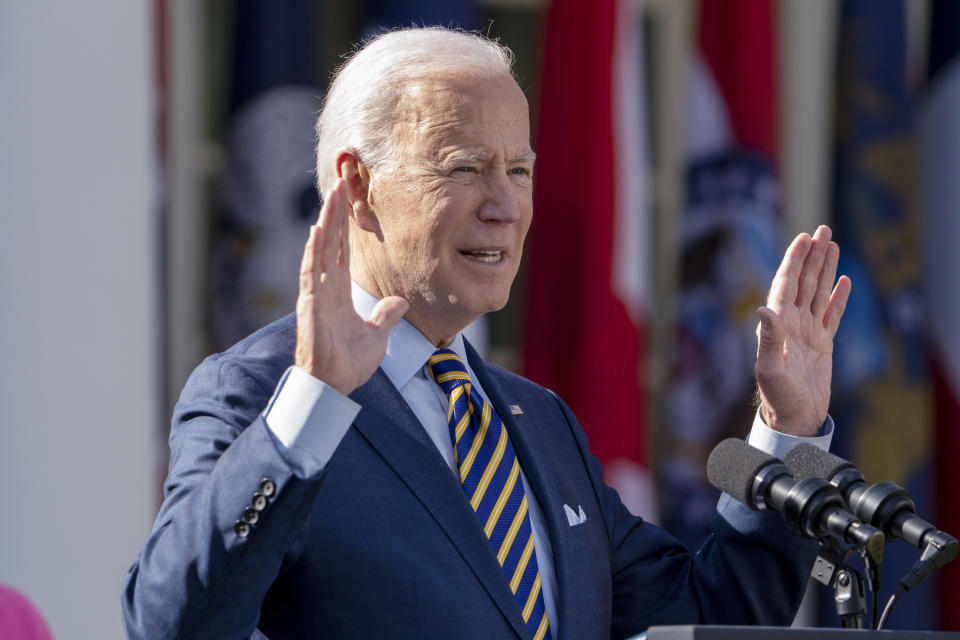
(359, 112)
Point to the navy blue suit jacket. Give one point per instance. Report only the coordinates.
(383, 542)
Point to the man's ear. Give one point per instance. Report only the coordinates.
(351, 170)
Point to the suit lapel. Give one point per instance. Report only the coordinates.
(390, 426)
(530, 451)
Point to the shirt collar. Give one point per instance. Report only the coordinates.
(407, 348)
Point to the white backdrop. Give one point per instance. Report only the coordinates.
(78, 305)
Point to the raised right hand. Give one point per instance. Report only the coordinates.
(334, 344)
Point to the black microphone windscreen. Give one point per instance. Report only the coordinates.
(809, 461)
(732, 467)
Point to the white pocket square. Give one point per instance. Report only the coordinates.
(574, 518)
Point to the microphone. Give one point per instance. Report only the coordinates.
(884, 505)
(810, 506)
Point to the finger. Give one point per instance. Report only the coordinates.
(784, 288)
(308, 262)
(344, 261)
(838, 302)
(330, 217)
(388, 312)
(812, 266)
(822, 296)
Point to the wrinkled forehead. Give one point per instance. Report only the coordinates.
(438, 112)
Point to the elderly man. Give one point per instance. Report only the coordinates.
(356, 470)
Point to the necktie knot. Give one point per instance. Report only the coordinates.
(448, 370)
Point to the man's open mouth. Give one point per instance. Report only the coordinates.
(485, 255)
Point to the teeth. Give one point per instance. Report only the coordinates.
(486, 255)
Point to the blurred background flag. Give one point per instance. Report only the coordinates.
(379, 14)
(881, 391)
(588, 282)
(730, 246)
(940, 158)
(268, 194)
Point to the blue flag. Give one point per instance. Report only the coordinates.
(380, 14)
(881, 393)
(268, 194)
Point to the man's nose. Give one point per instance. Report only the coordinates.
(501, 203)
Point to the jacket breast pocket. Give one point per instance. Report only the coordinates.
(586, 534)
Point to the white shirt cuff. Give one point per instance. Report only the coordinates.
(308, 414)
(777, 444)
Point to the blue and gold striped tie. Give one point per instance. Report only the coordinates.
(490, 477)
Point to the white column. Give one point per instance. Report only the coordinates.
(78, 305)
(808, 33)
(672, 43)
(188, 160)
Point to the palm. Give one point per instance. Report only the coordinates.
(794, 356)
(334, 344)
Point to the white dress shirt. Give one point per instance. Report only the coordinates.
(309, 418)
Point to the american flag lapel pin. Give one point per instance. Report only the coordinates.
(516, 410)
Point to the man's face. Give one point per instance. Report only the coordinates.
(455, 210)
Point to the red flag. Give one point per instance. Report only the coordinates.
(946, 389)
(736, 39)
(585, 273)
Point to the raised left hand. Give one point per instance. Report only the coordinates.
(795, 335)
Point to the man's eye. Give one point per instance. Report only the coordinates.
(520, 171)
(466, 169)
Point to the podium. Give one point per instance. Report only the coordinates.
(710, 632)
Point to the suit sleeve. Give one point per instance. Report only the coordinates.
(751, 570)
(234, 514)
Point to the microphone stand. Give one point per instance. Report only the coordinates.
(847, 583)
(848, 598)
